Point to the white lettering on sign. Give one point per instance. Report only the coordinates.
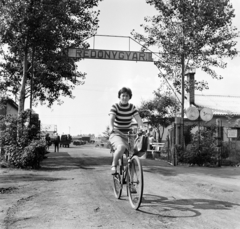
(232, 133)
(110, 55)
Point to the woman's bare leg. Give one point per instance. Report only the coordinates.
(118, 154)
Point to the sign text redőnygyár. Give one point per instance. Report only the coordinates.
(110, 55)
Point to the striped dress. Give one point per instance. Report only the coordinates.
(123, 116)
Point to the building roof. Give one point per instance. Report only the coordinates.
(9, 101)
(220, 104)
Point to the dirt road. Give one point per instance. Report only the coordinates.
(73, 189)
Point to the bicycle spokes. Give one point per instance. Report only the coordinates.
(117, 185)
(135, 183)
(132, 175)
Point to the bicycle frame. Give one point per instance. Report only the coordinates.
(126, 174)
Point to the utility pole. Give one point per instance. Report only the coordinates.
(183, 98)
(31, 84)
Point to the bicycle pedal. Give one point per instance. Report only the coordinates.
(133, 190)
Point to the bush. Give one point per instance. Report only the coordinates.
(18, 146)
(33, 154)
(225, 151)
(202, 150)
(181, 154)
(229, 157)
(13, 155)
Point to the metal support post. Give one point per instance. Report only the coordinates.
(219, 140)
(178, 138)
(183, 98)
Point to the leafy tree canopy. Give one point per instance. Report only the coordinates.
(199, 32)
(44, 30)
(161, 110)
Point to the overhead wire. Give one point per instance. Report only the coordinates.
(154, 53)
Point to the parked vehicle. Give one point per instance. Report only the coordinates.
(77, 142)
(65, 140)
(85, 139)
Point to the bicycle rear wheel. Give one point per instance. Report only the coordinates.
(118, 180)
(135, 182)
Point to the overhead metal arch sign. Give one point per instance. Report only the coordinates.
(110, 54)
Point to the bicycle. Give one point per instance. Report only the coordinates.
(129, 174)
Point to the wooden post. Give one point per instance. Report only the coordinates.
(178, 138)
(183, 98)
(178, 122)
(219, 140)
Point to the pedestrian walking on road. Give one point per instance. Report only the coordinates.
(48, 140)
(56, 142)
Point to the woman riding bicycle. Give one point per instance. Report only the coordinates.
(121, 115)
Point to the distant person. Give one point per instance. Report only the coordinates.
(48, 140)
(151, 138)
(56, 142)
(150, 141)
(69, 137)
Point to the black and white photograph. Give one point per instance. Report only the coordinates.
(120, 114)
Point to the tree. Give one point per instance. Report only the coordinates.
(20, 151)
(160, 111)
(106, 133)
(190, 34)
(204, 147)
(37, 34)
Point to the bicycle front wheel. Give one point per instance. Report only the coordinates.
(135, 182)
(118, 181)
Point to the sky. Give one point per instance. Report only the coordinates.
(88, 112)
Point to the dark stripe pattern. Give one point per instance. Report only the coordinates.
(124, 114)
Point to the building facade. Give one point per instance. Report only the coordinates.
(225, 112)
(8, 107)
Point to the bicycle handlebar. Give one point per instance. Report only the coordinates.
(129, 134)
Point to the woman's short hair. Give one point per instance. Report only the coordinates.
(125, 90)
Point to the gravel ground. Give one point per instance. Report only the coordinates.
(73, 189)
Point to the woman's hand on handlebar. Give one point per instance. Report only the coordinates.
(141, 130)
(111, 130)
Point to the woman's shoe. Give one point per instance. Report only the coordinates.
(133, 189)
(113, 170)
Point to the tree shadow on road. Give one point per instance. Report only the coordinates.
(96, 161)
(15, 178)
(166, 170)
(179, 208)
(54, 162)
(161, 170)
(63, 161)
